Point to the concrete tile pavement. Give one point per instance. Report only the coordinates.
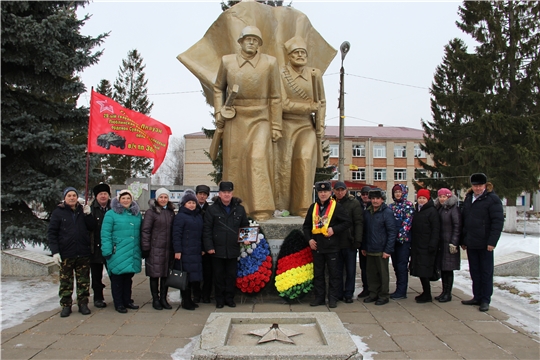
(401, 329)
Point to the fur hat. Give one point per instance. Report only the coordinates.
(124, 192)
(373, 193)
(444, 191)
(162, 191)
(226, 186)
(423, 192)
(323, 186)
(68, 189)
(202, 188)
(478, 179)
(101, 188)
(189, 195)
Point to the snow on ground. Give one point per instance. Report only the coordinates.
(519, 297)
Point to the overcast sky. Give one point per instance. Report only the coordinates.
(391, 42)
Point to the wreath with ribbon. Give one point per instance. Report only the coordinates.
(254, 266)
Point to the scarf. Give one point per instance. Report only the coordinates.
(321, 223)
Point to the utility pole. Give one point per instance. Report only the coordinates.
(344, 48)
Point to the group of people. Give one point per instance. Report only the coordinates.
(422, 239)
(112, 234)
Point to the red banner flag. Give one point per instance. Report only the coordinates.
(113, 129)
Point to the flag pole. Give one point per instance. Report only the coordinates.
(88, 154)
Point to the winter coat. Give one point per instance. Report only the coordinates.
(354, 210)
(203, 208)
(482, 220)
(121, 240)
(403, 213)
(156, 238)
(424, 240)
(220, 232)
(450, 218)
(380, 230)
(95, 236)
(68, 232)
(340, 224)
(187, 235)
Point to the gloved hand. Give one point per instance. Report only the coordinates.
(57, 259)
(86, 209)
(452, 248)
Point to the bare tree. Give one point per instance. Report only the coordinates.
(171, 172)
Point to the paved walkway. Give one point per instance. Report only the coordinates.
(399, 330)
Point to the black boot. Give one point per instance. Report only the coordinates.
(426, 295)
(163, 294)
(448, 277)
(443, 281)
(196, 291)
(187, 303)
(156, 304)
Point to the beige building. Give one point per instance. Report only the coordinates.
(380, 156)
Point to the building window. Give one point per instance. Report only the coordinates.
(400, 174)
(420, 174)
(419, 153)
(400, 151)
(379, 151)
(359, 151)
(360, 174)
(379, 174)
(334, 151)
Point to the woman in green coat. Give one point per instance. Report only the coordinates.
(120, 245)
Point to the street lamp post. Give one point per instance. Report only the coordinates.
(341, 162)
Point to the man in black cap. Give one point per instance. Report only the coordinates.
(100, 205)
(204, 292)
(362, 259)
(349, 244)
(483, 221)
(380, 232)
(222, 221)
(325, 224)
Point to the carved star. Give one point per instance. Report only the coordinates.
(103, 106)
(275, 333)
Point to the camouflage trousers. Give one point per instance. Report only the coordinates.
(81, 268)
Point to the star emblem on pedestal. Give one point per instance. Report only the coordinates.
(275, 333)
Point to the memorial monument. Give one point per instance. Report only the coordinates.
(269, 151)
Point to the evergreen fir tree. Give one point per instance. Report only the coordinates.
(496, 109)
(130, 91)
(42, 127)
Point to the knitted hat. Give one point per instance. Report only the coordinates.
(189, 195)
(202, 188)
(161, 191)
(423, 192)
(101, 188)
(478, 179)
(396, 187)
(124, 192)
(68, 189)
(444, 191)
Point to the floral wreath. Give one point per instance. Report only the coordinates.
(254, 265)
(294, 271)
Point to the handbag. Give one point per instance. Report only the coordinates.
(177, 279)
(436, 274)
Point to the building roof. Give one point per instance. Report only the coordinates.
(380, 132)
(377, 132)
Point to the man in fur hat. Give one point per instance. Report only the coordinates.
(483, 221)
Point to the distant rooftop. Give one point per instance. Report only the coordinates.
(379, 132)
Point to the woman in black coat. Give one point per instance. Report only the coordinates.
(187, 243)
(424, 242)
(448, 256)
(156, 244)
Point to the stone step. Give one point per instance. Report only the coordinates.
(22, 262)
(519, 263)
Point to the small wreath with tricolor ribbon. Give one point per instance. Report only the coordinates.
(254, 266)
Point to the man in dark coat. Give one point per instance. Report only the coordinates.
(380, 232)
(362, 259)
(204, 292)
(222, 221)
(483, 221)
(325, 224)
(69, 240)
(349, 244)
(100, 205)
